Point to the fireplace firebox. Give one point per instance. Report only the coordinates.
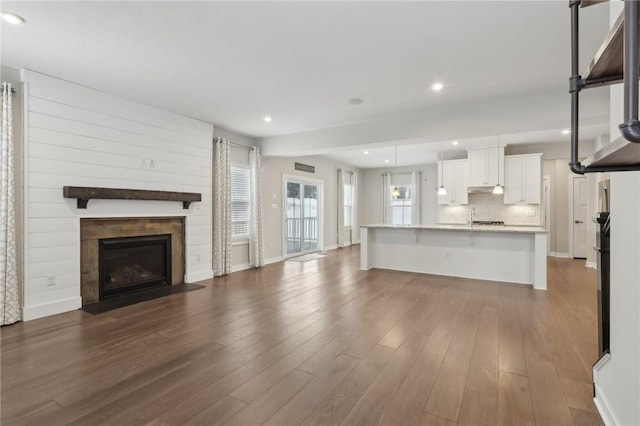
(131, 264)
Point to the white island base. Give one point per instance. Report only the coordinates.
(506, 254)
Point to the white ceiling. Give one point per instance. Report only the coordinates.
(232, 63)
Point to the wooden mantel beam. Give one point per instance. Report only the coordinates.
(85, 193)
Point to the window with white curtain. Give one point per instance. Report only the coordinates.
(348, 200)
(401, 205)
(239, 203)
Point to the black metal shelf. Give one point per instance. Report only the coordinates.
(615, 61)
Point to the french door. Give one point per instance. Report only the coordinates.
(302, 216)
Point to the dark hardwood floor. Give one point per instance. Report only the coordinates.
(316, 343)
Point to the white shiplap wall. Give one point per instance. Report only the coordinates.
(78, 136)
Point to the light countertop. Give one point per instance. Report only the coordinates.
(466, 228)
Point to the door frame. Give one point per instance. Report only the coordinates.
(571, 185)
(304, 181)
(547, 199)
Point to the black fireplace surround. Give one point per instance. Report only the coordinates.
(130, 264)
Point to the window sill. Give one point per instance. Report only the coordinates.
(240, 242)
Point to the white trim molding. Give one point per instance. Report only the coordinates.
(240, 267)
(46, 309)
(273, 260)
(331, 247)
(591, 265)
(198, 276)
(560, 255)
(602, 405)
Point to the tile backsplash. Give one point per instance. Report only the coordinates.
(491, 207)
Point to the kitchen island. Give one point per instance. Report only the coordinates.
(514, 254)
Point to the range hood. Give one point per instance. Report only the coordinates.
(480, 189)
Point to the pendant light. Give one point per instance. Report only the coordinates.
(498, 189)
(396, 190)
(442, 190)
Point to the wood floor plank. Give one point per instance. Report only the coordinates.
(268, 403)
(279, 336)
(549, 404)
(478, 409)
(373, 405)
(409, 401)
(336, 406)
(303, 404)
(446, 397)
(579, 395)
(483, 371)
(217, 414)
(585, 418)
(514, 401)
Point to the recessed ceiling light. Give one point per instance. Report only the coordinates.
(12, 18)
(366, 152)
(386, 161)
(355, 101)
(566, 132)
(268, 119)
(437, 87)
(454, 143)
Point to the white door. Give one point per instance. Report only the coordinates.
(580, 218)
(302, 217)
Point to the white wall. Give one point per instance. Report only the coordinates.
(618, 381)
(371, 192)
(82, 137)
(273, 170)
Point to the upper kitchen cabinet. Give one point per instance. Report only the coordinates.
(453, 175)
(486, 166)
(523, 179)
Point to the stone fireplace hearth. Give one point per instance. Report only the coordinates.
(98, 233)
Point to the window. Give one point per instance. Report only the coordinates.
(239, 203)
(401, 205)
(348, 200)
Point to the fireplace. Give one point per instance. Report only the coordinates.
(131, 264)
(130, 254)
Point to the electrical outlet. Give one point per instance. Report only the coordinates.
(274, 206)
(152, 164)
(270, 245)
(274, 197)
(144, 163)
(51, 280)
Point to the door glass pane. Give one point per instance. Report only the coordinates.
(293, 228)
(310, 231)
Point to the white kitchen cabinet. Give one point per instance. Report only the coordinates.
(523, 179)
(486, 166)
(454, 175)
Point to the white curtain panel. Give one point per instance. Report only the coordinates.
(386, 198)
(256, 239)
(9, 292)
(355, 223)
(221, 207)
(340, 203)
(416, 207)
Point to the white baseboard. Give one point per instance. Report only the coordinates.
(198, 276)
(560, 255)
(47, 309)
(273, 260)
(241, 267)
(603, 407)
(331, 247)
(592, 265)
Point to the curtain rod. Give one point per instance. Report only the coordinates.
(241, 146)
